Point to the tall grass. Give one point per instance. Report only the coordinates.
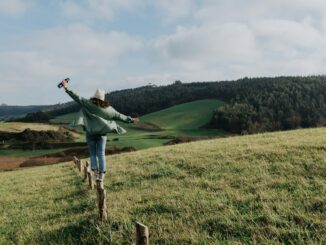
(261, 189)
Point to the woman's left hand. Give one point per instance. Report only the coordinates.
(133, 120)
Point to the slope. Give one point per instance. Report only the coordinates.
(261, 188)
(192, 115)
(184, 120)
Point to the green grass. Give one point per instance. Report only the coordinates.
(184, 120)
(263, 189)
(28, 153)
(64, 119)
(44, 205)
(192, 115)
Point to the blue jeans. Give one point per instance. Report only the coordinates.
(96, 145)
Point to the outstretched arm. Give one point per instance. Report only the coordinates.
(118, 116)
(109, 113)
(80, 100)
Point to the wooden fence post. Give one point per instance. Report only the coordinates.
(142, 234)
(79, 165)
(90, 180)
(75, 160)
(101, 199)
(85, 170)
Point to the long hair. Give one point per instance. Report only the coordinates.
(100, 103)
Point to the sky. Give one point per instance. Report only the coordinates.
(120, 44)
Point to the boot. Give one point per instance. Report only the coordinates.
(95, 174)
(101, 176)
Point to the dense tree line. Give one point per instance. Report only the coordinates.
(253, 104)
(8, 111)
(50, 112)
(268, 104)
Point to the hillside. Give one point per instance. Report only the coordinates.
(252, 105)
(261, 189)
(184, 120)
(192, 115)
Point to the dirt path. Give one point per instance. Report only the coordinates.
(10, 163)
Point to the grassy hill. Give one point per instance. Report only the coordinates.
(192, 115)
(64, 119)
(249, 189)
(184, 120)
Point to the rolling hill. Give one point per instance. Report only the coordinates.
(266, 188)
(191, 115)
(184, 120)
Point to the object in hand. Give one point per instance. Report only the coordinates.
(60, 84)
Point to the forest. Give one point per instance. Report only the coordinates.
(252, 104)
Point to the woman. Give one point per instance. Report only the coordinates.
(96, 118)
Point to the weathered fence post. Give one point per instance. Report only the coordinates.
(101, 199)
(142, 234)
(75, 160)
(79, 165)
(90, 180)
(85, 170)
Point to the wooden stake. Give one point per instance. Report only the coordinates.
(101, 199)
(90, 180)
(75, 160)
(85, 170)
(142, 234)
(79, 165)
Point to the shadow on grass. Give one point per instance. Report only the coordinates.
(81, 232)
(76, 219)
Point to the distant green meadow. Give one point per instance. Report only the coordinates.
(185, 120)
(28, 153)
(258, 189)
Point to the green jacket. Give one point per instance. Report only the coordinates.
(95, 119)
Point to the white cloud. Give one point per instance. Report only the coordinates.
(13, 7)
(199, 40)
(76, 51)
(174, 9)
(201, 53)
(90, 10)
(248, 38)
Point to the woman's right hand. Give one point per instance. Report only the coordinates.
(64, 84)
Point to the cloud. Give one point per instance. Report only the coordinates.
(91, 10)
(174, 9)
(13, 7)
(77, 51)
(208, 52)
(244, 11)
(233, 39)
(208, 44)
(188, 40)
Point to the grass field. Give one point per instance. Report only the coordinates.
(264, 189)
(28, 153)
(64, 119)
(20, 126)
(192, 115)
(184, 120)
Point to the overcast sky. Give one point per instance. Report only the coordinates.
(117, 44)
